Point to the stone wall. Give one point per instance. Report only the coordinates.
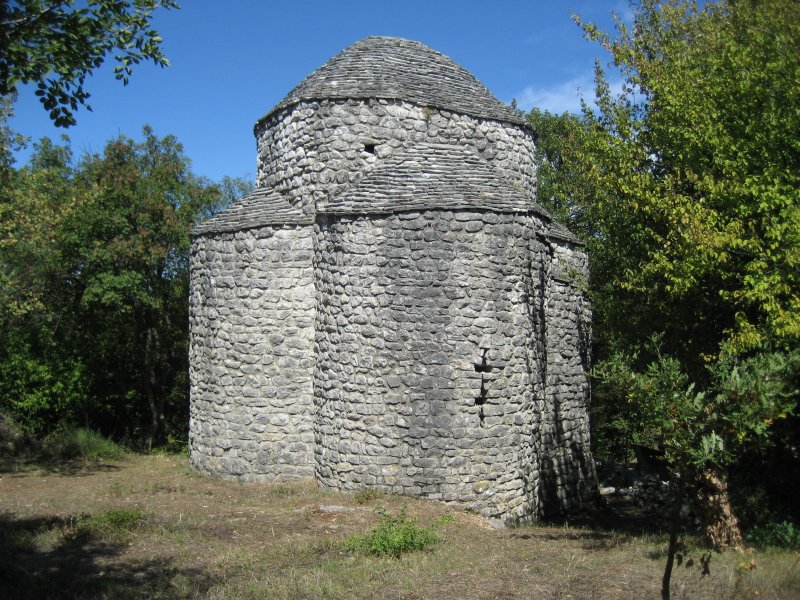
(435, 353)
(440, 350)
(568, 468)
(428, 378)
(251, 356)
(315, 149)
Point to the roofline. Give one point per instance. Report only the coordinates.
(195, 233)
(311, 219)
(522, 122)
(565, 235)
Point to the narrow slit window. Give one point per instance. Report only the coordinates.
(480, 400)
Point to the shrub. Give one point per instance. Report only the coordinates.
(174, 445)
(13, 438)
(35, 393)
(367, 495)
(783, 534)
(68, 442)
(116, 520)
(395, 535)
(113, 524)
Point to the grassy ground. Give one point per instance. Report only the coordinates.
(150, 527)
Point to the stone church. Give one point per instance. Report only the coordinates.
(390, 308)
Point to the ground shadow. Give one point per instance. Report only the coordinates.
(609, 518)
(83, 566)
(25, 464)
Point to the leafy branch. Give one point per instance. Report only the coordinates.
(56, 45)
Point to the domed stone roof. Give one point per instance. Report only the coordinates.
(431, 176)
(398, 69)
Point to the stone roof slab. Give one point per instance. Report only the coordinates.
(398, 69)
(258, 208)
(431, 176)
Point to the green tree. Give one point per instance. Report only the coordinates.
(694, 232)
(126, 251)
(56, 45)
(689, 200)
(562, 185)
(697, 167)
(42, 379)
(701, 431)
(94, 260)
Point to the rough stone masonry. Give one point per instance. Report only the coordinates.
(389, 308)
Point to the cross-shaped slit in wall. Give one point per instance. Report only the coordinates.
(482, 367)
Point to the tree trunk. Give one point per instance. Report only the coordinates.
(721, 527)
(155, 401)
(677, 487)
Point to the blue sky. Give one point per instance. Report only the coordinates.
(233, 60)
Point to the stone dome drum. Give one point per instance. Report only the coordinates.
(390, 308)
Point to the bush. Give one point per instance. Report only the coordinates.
(783, 535)
(13, 438)
(367, 495)
(395, 535)
(112, 525)
(174, 445)
(69, 442)
(35, 393)
(115, 520)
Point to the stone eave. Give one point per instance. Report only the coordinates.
(261, 207)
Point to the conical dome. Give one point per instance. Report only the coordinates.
(399, 69)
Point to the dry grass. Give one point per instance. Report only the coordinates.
(69, 533)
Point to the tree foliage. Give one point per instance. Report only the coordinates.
(686, 185)
(701, 429)
(562, 185)
(698, 177)
(56, 44)
(689, 200)
(94, 266)
(686, 188)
